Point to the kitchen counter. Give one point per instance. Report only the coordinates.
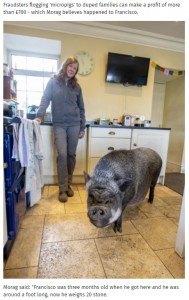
(129, 127)
(92, 124)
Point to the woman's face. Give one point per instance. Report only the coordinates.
(71, 70)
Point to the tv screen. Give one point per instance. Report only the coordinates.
(127, 69)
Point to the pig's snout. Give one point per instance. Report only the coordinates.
(99, 215)
(96, 212)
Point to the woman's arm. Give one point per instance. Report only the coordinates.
(45, 101)
(82, 112)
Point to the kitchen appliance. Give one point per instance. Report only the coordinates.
(127, 120)
(103, 121)
(47, 117)
(115, 122)
(16, 201)
(32, 110)
(147, 123)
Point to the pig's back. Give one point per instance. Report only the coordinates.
(127, 162)
(138, 165)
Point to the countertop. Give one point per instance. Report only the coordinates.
(92, 124)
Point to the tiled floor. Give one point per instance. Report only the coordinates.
(56, 240)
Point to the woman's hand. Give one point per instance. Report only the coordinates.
(38, 120)
(81, 134)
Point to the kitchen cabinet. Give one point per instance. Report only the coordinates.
(49, 161)
(99, 141)
(156, 139)
(102, 140)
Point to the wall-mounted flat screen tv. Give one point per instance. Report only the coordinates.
(127, 69)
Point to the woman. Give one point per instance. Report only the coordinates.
(68, 118)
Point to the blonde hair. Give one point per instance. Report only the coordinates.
(62, 71)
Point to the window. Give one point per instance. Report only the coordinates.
(32, 72)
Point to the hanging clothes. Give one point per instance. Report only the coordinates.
(28, 149)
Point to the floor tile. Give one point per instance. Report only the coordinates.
(32, 221)
(132, 213)
(26, 249)
(81, 187)
(164, 188)
(75, 199)
(173, 262)
(159, 202)
(129, 256)
(127, 228)
(172, 212)
(21, 273)
(72, 259)
(53, 189)
(74, 187)
(77, 226)
(45, 191)
(165, 191)
(150, 210)
(46, 206)
(159, 232)
(83, 196)
(75, 207)
(171, 200)
(66, 227)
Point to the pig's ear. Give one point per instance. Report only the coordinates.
(86, 176)
(123, 184)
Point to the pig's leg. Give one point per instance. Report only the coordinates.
(118, 225)
(152, 186)
(151, 194)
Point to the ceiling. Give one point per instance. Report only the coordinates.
(168, 28)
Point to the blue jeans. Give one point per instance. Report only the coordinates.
(66, 140)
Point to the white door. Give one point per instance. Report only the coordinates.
(180, 240)
(155, 139)
(158, 104)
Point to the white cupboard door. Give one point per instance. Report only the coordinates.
(49, 161)
(81, 157)
(110, 132)
(155, 139)
(92, 164)
(102, 146)
(50, 153)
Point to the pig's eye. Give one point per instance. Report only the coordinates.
(91, 197)
(108, 201)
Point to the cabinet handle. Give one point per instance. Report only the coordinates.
(111, 132)
(135, 144)
(110, 148)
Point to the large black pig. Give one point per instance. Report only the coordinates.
(121, 177)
